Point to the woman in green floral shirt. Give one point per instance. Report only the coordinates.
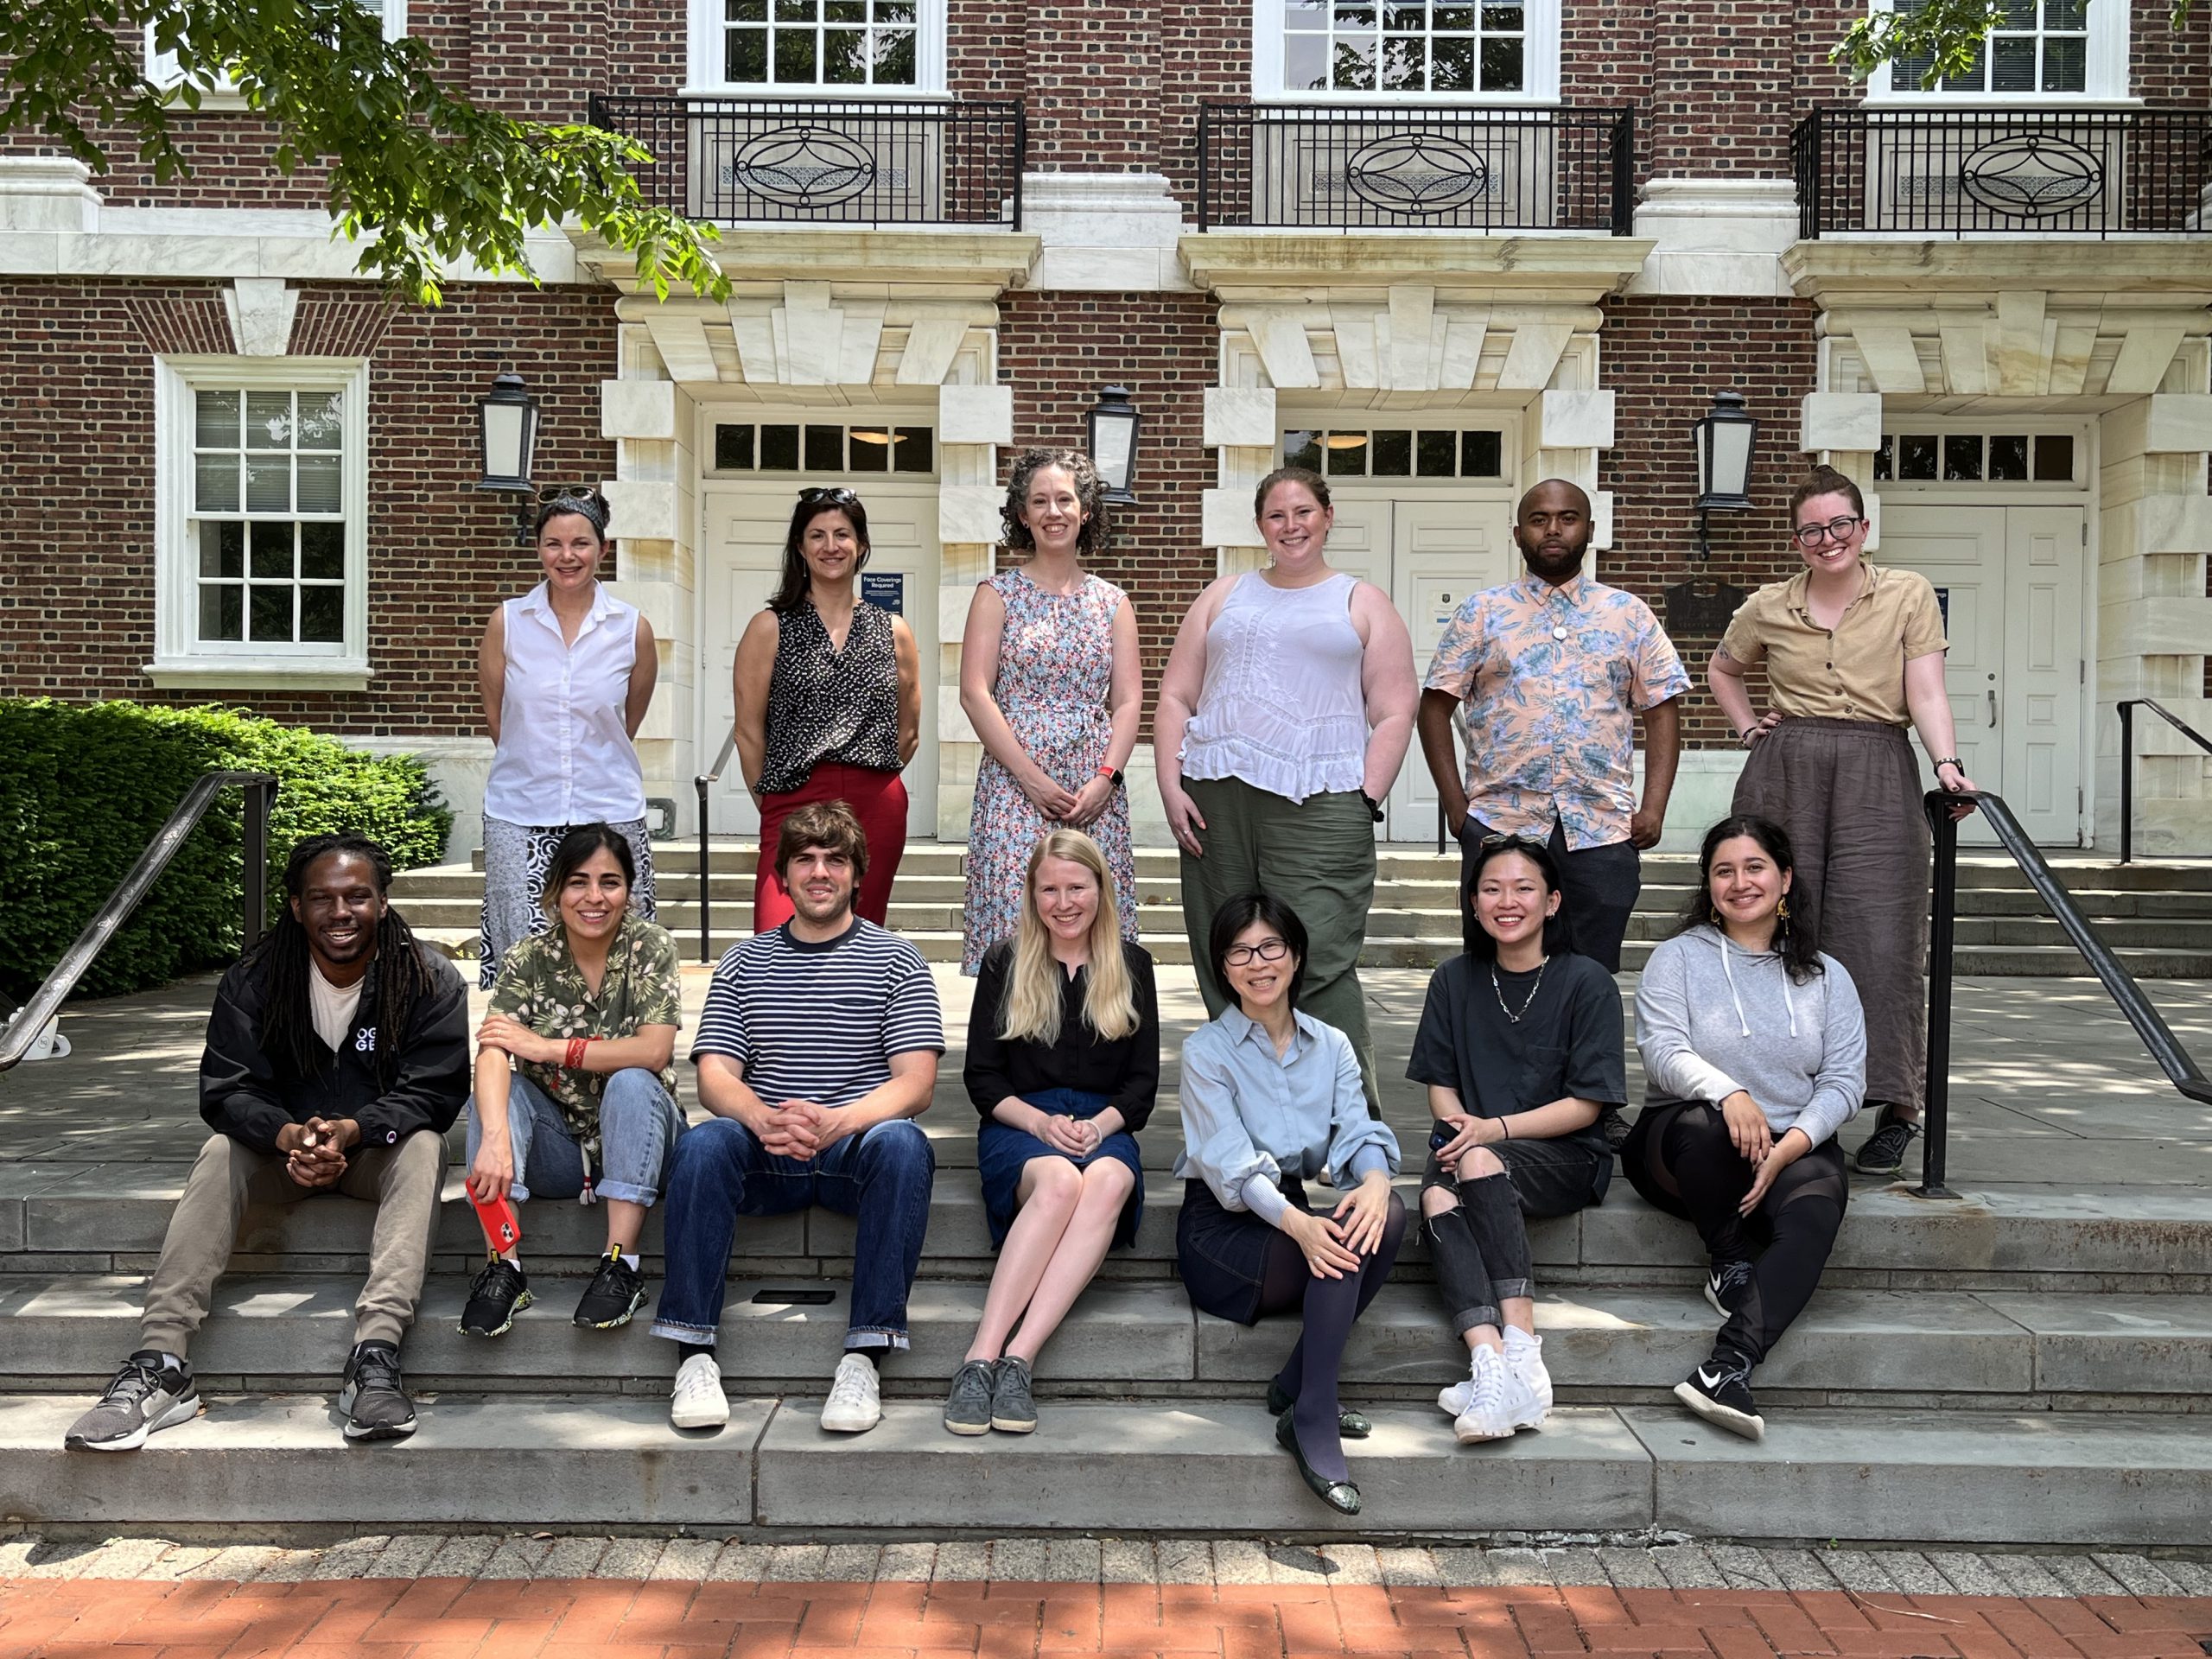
(575, 1080)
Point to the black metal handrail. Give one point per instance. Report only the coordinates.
(1329, 167)
(1958, 173)
(2181, 1070)
(827, 161)
(704, 782)
(2127, 708)
(260, 793)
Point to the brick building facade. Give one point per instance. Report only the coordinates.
(1450, 248)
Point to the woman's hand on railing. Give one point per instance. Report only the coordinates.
(1958, 784)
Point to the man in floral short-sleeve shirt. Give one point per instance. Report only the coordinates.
(541, 986)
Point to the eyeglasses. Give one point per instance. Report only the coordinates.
(835, 495)
(1835, 529)
(1242, 955)
(1516, 841)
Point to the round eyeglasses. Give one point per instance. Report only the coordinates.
(1836, 529)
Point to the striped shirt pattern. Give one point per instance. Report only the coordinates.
(819, 1022)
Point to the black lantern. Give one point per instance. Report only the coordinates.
(1724, 439)
(1113, 424)
(506, 431)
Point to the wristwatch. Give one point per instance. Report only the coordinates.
(1373, 806)
(1110, 775)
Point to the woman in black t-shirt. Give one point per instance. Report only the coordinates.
(1521, 1047)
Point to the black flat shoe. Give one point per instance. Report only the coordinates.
(1340, 1495)
(1352, 1425)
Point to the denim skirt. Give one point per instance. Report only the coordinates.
(1223, 1253)
(1001, 1150)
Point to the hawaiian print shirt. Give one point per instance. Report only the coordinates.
(1551, 678)
(541, 986)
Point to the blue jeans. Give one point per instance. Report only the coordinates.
(722, 1172)
(638, 1124)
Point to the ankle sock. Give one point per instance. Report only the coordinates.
(629, 1258)
(687, 1350)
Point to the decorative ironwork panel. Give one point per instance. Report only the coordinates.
(1964, 173)
(771, 161)
(1490, 169)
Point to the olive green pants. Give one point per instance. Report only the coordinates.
(1318, 857)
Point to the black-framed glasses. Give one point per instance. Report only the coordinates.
(1243, 955)
(1836, 529)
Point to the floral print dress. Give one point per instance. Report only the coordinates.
(1056, 662)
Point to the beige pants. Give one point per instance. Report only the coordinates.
(401, 1181)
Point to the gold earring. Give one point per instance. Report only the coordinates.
(1782, 910)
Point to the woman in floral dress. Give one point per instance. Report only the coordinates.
(1051, 679)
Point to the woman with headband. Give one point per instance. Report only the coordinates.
(566, 673)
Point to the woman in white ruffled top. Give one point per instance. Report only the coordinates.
(1284, 716)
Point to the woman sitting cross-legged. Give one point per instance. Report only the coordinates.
(1271, 1099)
(1064, 1065)
(1755, 1049)
(1522, 1048)
(573, 1069)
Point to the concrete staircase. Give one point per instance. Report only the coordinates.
(2158, 916)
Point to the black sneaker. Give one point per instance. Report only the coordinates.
(1613, 1126)
(1883, 1153)
(1720, 1392)
(144, 1396)
(374, 1395)
(495, 1296)
(1726, 1285)
(1013, 1412)
(616, 1291)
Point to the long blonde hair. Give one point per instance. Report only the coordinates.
(1033, 997)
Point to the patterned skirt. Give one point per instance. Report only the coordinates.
(516, 858)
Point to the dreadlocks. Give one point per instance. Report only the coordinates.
(399, 977)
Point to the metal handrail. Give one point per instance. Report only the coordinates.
(2127, 708)
(2181, 1069)
(260, 793)
(705, 781)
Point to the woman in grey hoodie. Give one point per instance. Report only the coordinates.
(1754, 1051)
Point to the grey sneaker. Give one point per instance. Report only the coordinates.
(145, 1395)
(374, 1397)
(968, 1404)
(1013, 1412)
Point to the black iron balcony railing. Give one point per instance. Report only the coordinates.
(826, 161)
(2042, 172)
(1329, 167)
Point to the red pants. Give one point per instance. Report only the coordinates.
(878, 800)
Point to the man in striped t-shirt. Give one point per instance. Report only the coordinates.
(816, 1049)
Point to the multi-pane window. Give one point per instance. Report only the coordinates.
(1405, 46)
(1396, 452)
(841, 43)
(267, 527)
(1975, 458)
(796, 447)
(2043, 47)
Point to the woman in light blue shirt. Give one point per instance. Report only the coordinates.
(1271, 1099)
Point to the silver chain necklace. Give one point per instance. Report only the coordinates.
(1525, 1001)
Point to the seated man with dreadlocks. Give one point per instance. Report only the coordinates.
(337, 1058)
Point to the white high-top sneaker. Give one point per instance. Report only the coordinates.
(1486, 1417)
(1529, 1385)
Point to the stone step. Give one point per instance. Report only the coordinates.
(61, 1218)
(1204, 1466)
(287, 1332)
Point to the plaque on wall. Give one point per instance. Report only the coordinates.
(1703, 608)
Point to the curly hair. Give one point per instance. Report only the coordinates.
(1089, 494)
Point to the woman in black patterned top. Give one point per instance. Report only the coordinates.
(829, 700)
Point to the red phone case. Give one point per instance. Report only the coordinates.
(501, 1229)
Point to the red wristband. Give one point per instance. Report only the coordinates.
(575, 1056)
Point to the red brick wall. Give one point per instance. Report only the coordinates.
(1057, 349)
(77, 583)
(2171, 65)
(1666, 358)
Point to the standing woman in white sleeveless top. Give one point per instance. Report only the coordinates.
(566, 673)
(1284, 716)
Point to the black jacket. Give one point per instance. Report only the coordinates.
(248, 1096)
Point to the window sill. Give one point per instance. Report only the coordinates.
(260, 674)
(1996, 101)
(755, 92)
(1412, 101)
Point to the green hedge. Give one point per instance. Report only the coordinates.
(85, 786)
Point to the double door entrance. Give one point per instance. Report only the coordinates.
(2011, 580)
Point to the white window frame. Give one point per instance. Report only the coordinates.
(1539, 62)
(223, 94)
(181, 657)
(704, 28)
(2105, 76)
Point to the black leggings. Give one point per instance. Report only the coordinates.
(1679, 1157)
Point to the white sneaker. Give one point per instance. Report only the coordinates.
(855, 1403)
(1529, 1385)
(1486, 1416)
(699, 1401)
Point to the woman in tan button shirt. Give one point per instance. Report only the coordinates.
(1853, 652)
